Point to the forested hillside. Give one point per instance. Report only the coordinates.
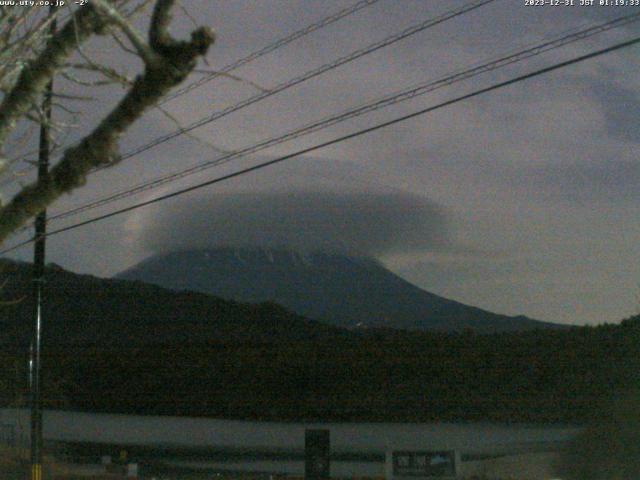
(224, 359)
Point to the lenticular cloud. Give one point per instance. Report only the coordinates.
(374, 225)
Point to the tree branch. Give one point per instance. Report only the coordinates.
(35, 76)
(175, 61)
(146, 53)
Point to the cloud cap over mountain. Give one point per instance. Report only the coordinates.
(374, 225)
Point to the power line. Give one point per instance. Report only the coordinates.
(273, 46)
(340, 139)
(391, 99)
(412, 30)
(431, 22)
(324, 22)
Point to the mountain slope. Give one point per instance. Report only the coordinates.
(340, 290)
(81, 309)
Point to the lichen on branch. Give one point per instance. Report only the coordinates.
(36, 75)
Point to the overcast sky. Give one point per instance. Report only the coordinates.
(520, 201)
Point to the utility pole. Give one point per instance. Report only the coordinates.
(38, 282)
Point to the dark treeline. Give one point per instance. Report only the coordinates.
(539, 376)
(129, 347)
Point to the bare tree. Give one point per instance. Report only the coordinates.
(29, 58)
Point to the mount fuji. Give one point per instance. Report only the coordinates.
(337, 289)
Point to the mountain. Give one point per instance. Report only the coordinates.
(85, 310)
(340, 290)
